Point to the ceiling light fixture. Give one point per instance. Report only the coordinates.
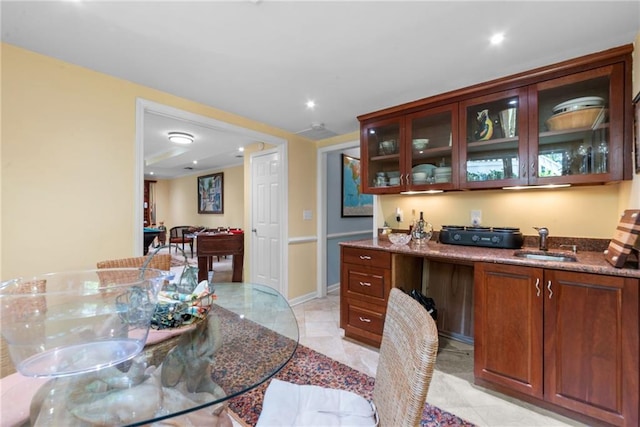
(180, 137)
(497, 38)
(311, 104)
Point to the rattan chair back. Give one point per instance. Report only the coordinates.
(158, 261)
(406, 362)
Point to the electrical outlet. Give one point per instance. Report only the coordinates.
(476, 217)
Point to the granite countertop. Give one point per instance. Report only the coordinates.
(587, 261)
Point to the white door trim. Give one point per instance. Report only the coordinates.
(145, 106)
(321, 201)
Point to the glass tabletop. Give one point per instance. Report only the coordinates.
(248, 336)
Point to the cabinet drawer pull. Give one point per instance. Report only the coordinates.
(538, 287)
(364, 319)
(365, 257)
(365, 284)
(549, 288)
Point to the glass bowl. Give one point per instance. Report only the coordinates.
(61, 324)
(399, 238)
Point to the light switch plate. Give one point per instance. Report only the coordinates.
(307, 215)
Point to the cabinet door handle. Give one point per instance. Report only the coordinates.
(533, 169)
(365, 257)
(524, 170)
(538, 287)
(401, 180)
(549, 289)
(364, 319)
(365, 284)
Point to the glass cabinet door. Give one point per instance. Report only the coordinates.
(573, 130)
(493, 150)
(381, 160)
(430, 155)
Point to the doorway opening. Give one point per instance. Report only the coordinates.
(143, 109)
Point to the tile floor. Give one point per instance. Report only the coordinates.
(452, 386)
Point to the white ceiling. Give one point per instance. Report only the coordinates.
(264, 59)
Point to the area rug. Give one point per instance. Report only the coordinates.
(310, 367)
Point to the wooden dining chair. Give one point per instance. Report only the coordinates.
(405, 367)
(177, 236)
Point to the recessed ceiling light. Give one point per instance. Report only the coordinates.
(150, 173)
(241, 149)
(311, 104)
(180, 137)
(497, 38)
(195, 162)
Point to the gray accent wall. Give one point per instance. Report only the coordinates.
(336, 225)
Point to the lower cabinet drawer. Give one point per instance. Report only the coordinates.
(366, 283)
(367, 320)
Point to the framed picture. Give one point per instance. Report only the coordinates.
(210, 193)
(354, 203)
(636, 130)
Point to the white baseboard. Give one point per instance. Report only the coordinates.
(313, 295)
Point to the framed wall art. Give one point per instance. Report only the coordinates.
(211, 193)
(354, 203)
(636, 130)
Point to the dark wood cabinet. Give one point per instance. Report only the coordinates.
(508, 132)
(365, 282)
(591, 345)
(508, 326)
(569, 339)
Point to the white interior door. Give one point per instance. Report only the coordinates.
(266, 212)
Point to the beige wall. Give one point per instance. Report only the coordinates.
(182, 201)
(68, 136)
(576, 212)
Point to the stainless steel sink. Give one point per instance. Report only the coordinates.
(546, 256)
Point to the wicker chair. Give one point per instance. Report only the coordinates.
(159, 261)
(405, 367)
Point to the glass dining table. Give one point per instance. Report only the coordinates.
(249, 334)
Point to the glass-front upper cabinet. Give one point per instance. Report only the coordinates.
(430, 156)
(493, 136)
(576, 133)
(380, 144)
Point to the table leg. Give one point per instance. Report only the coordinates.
(237, 263)
(203, 268)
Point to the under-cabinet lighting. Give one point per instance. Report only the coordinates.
(536, 187)
(409, 193)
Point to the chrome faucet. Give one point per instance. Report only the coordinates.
(543, 232)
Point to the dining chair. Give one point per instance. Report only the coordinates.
(177, 236)
(158, 261)
(405, 367)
